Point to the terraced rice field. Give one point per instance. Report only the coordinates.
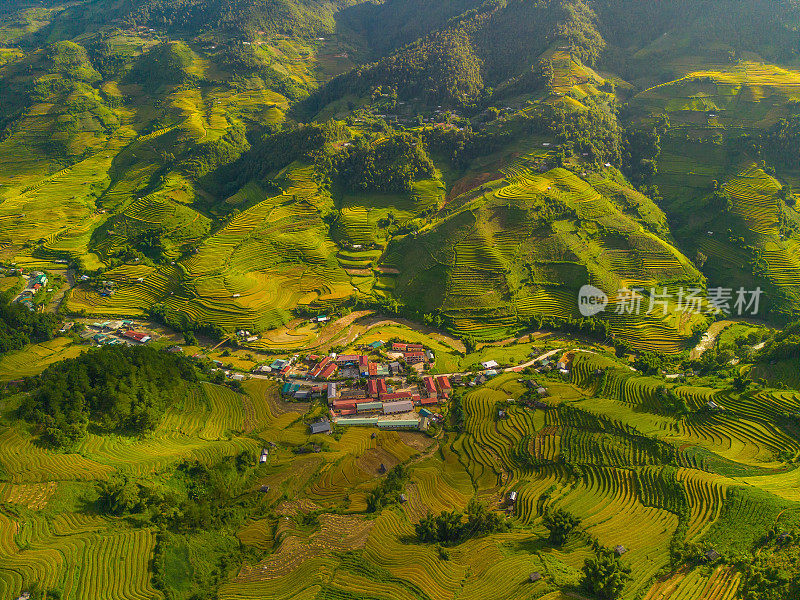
(474, 258)
(747, 94)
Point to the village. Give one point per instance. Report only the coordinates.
(389, 386)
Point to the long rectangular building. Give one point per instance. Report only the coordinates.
(401, 406)
(399, 424)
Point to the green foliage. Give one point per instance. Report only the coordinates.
(605, 576)
(236, 17)
(116, 388)
(165, 64)
(20, 326)
(208, 156)
(390, 164)
(673, 403)
(388, 490)
(648, 363)
(747, 515)
(482, 47)
(785, 345)
(765, 581)
(450, 528)
(560, 524)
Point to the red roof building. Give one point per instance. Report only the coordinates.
(381, 386)
(345, 359)
(396, 396)
(340, 405)
(443, 383)
(328, 371)
(414, 357)
(399, 347)
(363, 363)
(320, 367)
(430, 386)
(373, 369)
(372, 388)
(137, 336)
(429, 401)
(415, 347)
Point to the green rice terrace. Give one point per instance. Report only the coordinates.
(399, 300)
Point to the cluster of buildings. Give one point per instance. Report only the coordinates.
(36, 282)
(111, 333)
(338, 367)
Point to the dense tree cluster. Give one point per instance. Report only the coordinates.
(483, 46)
(116, 388)
(388, 490)
(462, 146)
(450, 528)
(765, 26)
(786, 344)
(560, 524)
(390, 164)
(165, 64)
(605, 576)
(19, 326)
(304, 18)
(208, 156)
(782, 142)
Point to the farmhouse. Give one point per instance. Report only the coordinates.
(342, 405)
(490, 364)
(321, 426)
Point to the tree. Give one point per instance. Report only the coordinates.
(605, 576)
(560, 523)
(451, 528)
